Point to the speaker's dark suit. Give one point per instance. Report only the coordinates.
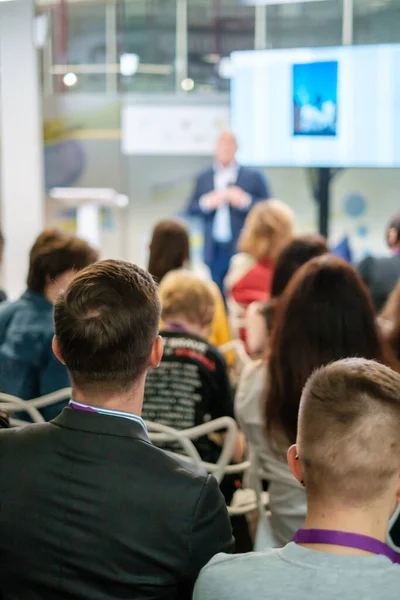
(91, 510)
(250, 181)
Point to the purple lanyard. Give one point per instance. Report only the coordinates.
(346, 539)
(75, 406)
(172, 325)
(396, 252)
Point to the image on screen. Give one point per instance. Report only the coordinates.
(315, 96)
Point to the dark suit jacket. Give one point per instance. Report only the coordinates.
(381, 276)
(91, 510)
(249, 180)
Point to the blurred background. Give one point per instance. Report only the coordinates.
(97, 58)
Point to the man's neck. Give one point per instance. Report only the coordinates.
(369, 522)
(130, 402)
(221, 166)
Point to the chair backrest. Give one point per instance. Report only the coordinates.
(159, 434)
(13, 404)
(221, 467)
(50, 399)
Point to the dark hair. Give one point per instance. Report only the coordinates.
(325, 314)
(300, 250)
(55, 252)
(106, 323)
(169, 247)
(394, 223)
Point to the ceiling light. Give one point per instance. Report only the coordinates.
(187, 84)
(128, 64)
(211, 59)
(70, 79)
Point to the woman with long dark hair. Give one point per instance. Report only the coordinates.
(325, 314)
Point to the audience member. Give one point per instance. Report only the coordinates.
(268, 227)
(348, 461)
(170, 250)
(324, 314)
(381, 274)
(28, 368)
(191, 385)
(3, 295)
(260, 315)
(89, 507)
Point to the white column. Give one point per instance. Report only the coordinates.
(347, 22)
(22, 190)
(88, 226)
(181, 43)
(260, 27)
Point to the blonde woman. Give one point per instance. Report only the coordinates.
(268, 228)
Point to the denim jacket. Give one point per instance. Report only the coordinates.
(28, 368)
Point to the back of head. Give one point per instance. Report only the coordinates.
(325, 314)
(268, 227)
(54, 253)
(169, 247)
(393, 231)
(349, 432)
(186, 296)
(294, 255)
(106, 323)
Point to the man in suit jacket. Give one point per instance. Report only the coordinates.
(89, 507)
(381, 273)
(223, 196)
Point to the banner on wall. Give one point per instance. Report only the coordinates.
(172, 130)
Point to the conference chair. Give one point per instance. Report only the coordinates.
(50, 399)
(161, 434)
(12, 404)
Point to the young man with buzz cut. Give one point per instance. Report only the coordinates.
(89, 507)
(348, 458)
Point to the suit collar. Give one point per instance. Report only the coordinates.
(91, 422)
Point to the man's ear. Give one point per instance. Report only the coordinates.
(56, 350)
(294, 463)
(156, 353)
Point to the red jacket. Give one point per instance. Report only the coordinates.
(255, 285)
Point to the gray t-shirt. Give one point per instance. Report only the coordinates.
(297, 573)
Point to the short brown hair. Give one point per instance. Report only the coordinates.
(184, 294)
(55, 252)
(169, 247)
(268, 227)
(349, 430)
(106, 323)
